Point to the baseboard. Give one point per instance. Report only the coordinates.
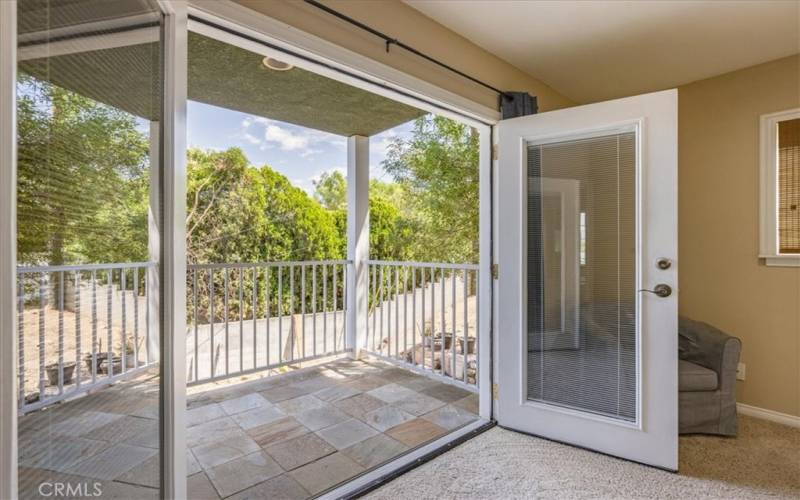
(774, 416)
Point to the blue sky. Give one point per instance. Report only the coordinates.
(301, 154)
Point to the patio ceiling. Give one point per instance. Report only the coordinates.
(126, 77)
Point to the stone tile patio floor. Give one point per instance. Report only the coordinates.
(292, 435)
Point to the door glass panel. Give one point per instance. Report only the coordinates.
(581, 267)
(88, 92)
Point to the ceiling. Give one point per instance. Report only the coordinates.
(596, 50)
(127, 77)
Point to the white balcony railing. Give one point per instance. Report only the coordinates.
(81, 327)
(251, 317)
(425, 316)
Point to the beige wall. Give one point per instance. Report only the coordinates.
(398, 20)
(721, 279)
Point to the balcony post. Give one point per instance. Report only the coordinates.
(357, 242)
(152, 288)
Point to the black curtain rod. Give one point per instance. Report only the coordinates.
(394, 41)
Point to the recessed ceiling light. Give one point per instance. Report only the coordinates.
(275, 64)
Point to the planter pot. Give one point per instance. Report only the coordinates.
(470, 345)
(101, 357)
(116, 365)
(130, 359)
(437, 341)
(52, 372)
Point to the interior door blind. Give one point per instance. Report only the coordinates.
(581, 274)
(789, 186)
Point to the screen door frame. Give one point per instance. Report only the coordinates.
(652, 437)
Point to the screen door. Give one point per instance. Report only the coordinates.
(587, 296)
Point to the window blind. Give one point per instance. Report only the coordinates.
(789, 186)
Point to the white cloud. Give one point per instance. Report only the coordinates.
(287, 137)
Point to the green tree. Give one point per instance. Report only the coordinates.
(82, 177)
(331, 190)
(438, 169)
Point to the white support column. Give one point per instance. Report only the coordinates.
(173, 252)
(154, 246)
(8, 250)
(357, 241)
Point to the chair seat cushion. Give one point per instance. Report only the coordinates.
(693, 377)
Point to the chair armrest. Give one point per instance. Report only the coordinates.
(707, 346)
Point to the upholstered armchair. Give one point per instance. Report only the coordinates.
(706, 379)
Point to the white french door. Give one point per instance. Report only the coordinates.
(587, 300)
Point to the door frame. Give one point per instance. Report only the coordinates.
(654, 116)
(312, 53)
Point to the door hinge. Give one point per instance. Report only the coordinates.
(495, 271)
(495, 391)
(496, 152)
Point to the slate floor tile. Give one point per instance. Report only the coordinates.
(359, 405)
(418, 404)
(218, 452)
(300, 404)
(450, 417)
(198, 487)
(346, 433)
(299, 451)
(243, 472)
(386, 417)
(209, 432)
(282, 393)
(391, 393)
(319, 418)
(336, 393)
(258, 416)
(469, 403)
(113, 462)
(203, 414)
(282, 487)
(375, 450)
(282, 429)
(244, 403)
(326, 472)
(446, 392)
(416, 432)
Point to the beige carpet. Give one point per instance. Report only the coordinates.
(763, 462)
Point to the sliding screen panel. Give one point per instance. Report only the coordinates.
(89, 97)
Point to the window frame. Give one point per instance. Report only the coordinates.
(769, 249)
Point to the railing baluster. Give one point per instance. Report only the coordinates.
(465, 345)
(212, 321)
(324, 309)
(135, 317)
(61, 332)
(268, 301)
(280, 314)
(292, 338)
(240, 309)
(444, 327)
(303, 308)
(255, 317)
(226, 278)
(21, 336)
(380, 303)
(405, 309)
(345, 291)
(422, 331)
(124, 343)
(314, 306)
(374, 306)
(109, 317)
(94, 326)
(335, 306)
(196, 327)
(433, 320)
(396, 312)
(77, 304)
(41, 334)
(413, 316)
(453, 328)
(477, 326)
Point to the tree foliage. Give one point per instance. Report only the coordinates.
(331, 190)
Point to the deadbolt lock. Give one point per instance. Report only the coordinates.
(663, 263)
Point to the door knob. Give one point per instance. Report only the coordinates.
(661, 290)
